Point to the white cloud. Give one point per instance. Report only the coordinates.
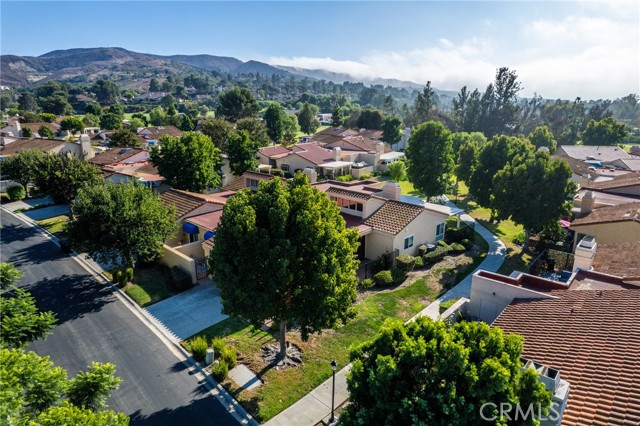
(594, 55)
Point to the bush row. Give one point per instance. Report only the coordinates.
(16, 192)
(456, 235)
(442, 250)
(224, 356)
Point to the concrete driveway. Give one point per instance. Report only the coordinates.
(47, 212)
(194, 310)
(28, 203)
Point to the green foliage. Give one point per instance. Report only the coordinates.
(405, 262)
(255, 128)
(33, 389)
(366, 283)
(220, 371)
(370, 119)
(61, 176)
(398, 171)
(382, 263)
(422, 250)
(45, 132)
(111, 121)
(419, 263)
(72, 124)
(467, 243)
(190, 162)
(301, 265)
(90, 390)
(26, 132)
(47, 117)
(16, 192)
(542, 137)
(466, 160)
(519, 238)
(199, 346)
(607, 131)
(22, 323)
(391, 128)
(383, 278)
(242, 152)
(434, 256)
(106, 92)
(444, 245)
(125, 138)
(273, 117)
(237, 103)
(345, 178)
(430, 158)
(224, 353)
(291, 128)
(337, 117)
(447, 304)
(441, 376)
(92, 108)
(180, 279)
(456, 235)
(307, 118)
(398, 276)
(120, 224)
(23, 167)
(457, 248)
(218, 130)
(9, 276)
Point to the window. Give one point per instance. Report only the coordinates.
(253, 183)
(439, 231)
(408, 242)
(284, 167)
(193, 238)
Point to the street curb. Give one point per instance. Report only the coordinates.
(219, 392)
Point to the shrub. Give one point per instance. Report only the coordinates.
(128, 274)
(219, 371)
(382, 263)
(519, 238)
(458, 248)
(277, 172)
(422, 250)
(365, 176)
(199, 348)
(122, 278)
(434, 256)
(467, 243)
(447, 304)
(419, 262)
(180, 279)
(345, 178)
(444, 245)
(456, 235)
(115, 276)
(16, 192)
(366, 283)
(383, 278)
(398, 276)
(405, 262)
(224, 353)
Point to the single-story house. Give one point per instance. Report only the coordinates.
(613, 224)
(150, 136)
(82, 149)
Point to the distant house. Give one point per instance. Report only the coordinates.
(614, 224)
(82, 149)
(15, 129)
(598, 156)
(150, 136)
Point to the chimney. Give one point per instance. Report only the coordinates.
(311, 174)
(584, 253)
(588, 201)
(380, 148)
(336, 153)
(86, 148)
(555, 384)
(391, 190)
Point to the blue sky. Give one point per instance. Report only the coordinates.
(559, 49)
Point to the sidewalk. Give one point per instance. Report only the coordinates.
(316, 406)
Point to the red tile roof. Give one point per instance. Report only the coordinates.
(593, 338)
(622, 213)
(619, 259)
(393, 216)
(313, 153)
(44, 145)
(623, 181)
(183, 201)
(274, 151)
(208, 220)
(114, 156)
(348, 193)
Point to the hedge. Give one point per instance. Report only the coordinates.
(405, 262)
(199, 346)
(419, 262)
(16, 192)
(434, 256)
(456, 235)
(458, 248)
(398, 276)
(383, 278)
(366, 283)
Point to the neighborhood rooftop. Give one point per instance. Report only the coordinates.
(629, 179)
(597, 153)
(393, 216)
(619, 259)
(183, 201)
(621, 213)
(20, 145)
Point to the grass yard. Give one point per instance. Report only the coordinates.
(150, 285)
(283, 388)
(301, 133)
(56, 225)
(405, 186)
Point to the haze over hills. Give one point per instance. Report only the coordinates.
(92, 63)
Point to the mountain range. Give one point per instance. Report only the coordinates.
(91, 63)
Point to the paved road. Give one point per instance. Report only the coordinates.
(94, 325)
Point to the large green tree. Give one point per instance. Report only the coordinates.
(218, 130)
(307, 118)
(607, 131)
(33, 393)
(255, 128)
(300, 268)
(72, 124)
(189, 162)
(534, 191)
(106, 91)
(28, 102)
(430, 158)
(466, 160)
(391, 128)
(398, 171)
(337, 117)
(61, 176)
(274, 116)
(242, 153)
(120, 224)
(425, 105)
(492, 157)
(9, 276)
(542, 137)
(23, 167)
(237, 103)
(290, 129)
(425, 373)
(125, 138)
(370, 119)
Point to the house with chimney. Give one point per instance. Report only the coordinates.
(611, 224)
(81, 149)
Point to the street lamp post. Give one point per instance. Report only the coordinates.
(334, 366)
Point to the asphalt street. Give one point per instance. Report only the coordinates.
(94, 325)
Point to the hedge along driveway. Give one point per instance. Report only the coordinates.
(190, 311)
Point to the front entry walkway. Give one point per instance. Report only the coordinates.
(187, 313)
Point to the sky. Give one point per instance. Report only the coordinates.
(559, 49)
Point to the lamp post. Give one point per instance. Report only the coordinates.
(334, 366)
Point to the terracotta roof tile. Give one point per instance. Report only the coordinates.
(593, 338)
(114, 156)
(620, 213)
(393, 216)
(183, 201)
(623, 181)
(618, 259)
(44, 145)
(274, 151)
(348, 193)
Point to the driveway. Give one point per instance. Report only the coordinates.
(94, 325)
(28, 203)
(47, 212)
(190, 312)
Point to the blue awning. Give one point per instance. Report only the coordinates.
(209, 234)
(190, 228)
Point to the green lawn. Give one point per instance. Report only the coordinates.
(405, 186)
(150, 285)
(283, 388)
(56, 225)
(321, 128)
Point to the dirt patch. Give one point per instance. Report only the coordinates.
(271, 351)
